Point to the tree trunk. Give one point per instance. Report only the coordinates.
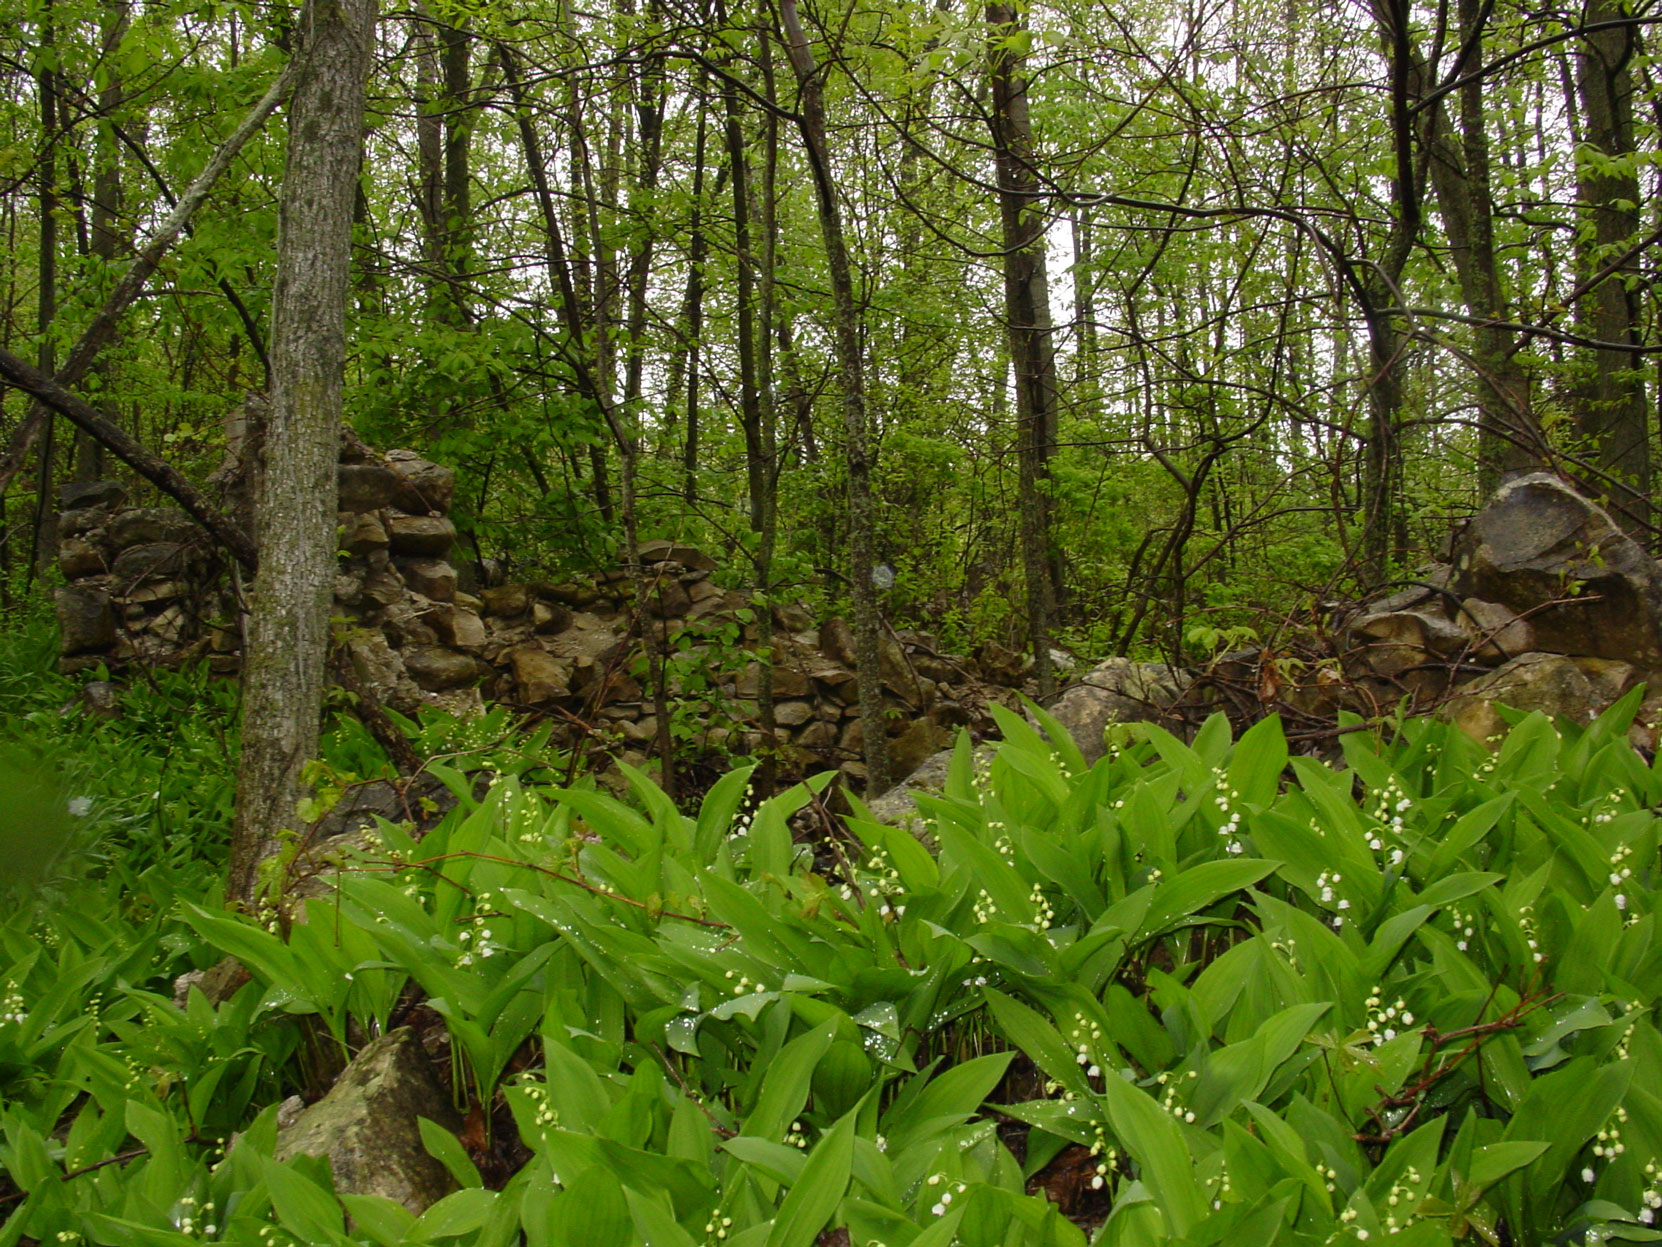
(1509, 438)
(1612, 412)
(108, 239)
(851, 364)
(1028, 323)
(287, 639)
(1385, 534)
(46, 303)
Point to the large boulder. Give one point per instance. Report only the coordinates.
(368, 1125)
(1543, 551)
(1119, 690)
(1576, 689)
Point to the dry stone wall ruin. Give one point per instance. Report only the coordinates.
(143, 585)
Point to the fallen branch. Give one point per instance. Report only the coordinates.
(130, 451)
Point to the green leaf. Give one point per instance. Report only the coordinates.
(303, 1206)
(592, 1212)
(1041, 1041)
(1492, 1163)
(447, 1149)
(460, 1212)
(1150, 1135)
(1197, 889)
(787, 1083)
(813, 1198)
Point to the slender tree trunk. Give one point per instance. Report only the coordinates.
(1028, 323)
(851, 363)
(1612, 412)
(1385, 535)
(429, 128)
(287, 638)
(767, 520)
(108, 239)
(1509, 438)
(686, 365)
(46, 305)
(456, 202)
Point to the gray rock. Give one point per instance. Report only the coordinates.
(1538, 543)
(1119, 690)
(1002, 666)
(787, 682)
(651, 552)
(85, 621)
(79, 495)
(421, 536)
(549, 617)
(898, 807)
(426, 486)
(836, 641)
(539, 675)
(362, 533)
(1391, 642)
(570, 593)
(458, 628)
(506, 601)
(918, 741)
(666, 597)
(1561, 687)
(368, 486)
(149, 525)
(436, 669)
(367, 1125)
(432, 578)
(1497, 634)
(151, 561)
(817, 737)
(793, 713)
(98, 699)
(77, 558)
(381, 670)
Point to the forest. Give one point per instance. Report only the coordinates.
(495, 498)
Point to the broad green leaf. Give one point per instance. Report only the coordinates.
(447, 1149)
(1153, 1139)
(814, 1196)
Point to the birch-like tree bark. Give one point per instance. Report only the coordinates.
(287, 638)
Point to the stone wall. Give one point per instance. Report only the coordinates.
(143, 585)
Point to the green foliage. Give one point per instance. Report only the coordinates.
(1263, 998)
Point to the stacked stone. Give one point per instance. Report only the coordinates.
(136, 580)
(144, 584)
(566, 647)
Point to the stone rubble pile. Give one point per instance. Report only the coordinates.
(143, 585)
(1546, 604)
